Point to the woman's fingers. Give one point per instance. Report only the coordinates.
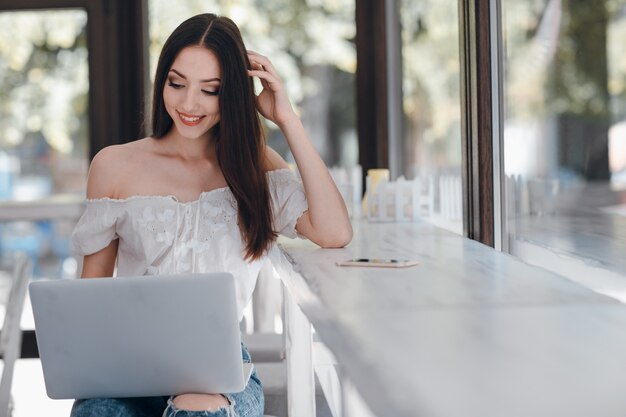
(267, 79)
(256, 58)
(257, 66)
(272, 102)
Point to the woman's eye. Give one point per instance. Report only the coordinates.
(211, 93)
(174, 85)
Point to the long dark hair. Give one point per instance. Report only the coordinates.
(239, 140)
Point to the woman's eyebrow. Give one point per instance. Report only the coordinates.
(202, 81)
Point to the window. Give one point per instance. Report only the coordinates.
(44, 126)
(565, 133)
(44, 120)
(431, 147)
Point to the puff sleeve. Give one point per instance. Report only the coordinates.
(288, 201)
(96, 228)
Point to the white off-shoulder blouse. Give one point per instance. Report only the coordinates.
(160, 235)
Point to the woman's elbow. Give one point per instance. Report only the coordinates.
(338, 239)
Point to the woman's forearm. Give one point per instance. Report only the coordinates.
(327, 210)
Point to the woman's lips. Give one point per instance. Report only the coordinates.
(189, 119)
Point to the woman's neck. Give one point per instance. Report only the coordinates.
(190, 149)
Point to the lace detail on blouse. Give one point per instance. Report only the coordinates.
(160, 235)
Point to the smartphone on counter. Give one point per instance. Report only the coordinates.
(381, 263)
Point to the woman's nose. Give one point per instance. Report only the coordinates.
(190, 100)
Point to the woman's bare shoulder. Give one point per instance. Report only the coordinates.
(115, 157)
(113, 165)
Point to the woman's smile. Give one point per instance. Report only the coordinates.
(190, 119)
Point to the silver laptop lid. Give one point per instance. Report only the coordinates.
(138, 336)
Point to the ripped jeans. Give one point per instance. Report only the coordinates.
(247, 403)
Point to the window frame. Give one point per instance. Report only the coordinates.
(378, 43)
(477, 118)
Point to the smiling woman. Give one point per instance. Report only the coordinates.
(235, 145)
(204, 193)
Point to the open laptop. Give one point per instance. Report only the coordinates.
(139, 336)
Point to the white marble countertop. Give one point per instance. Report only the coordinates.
(470, 332)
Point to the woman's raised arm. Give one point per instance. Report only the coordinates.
(326, 222)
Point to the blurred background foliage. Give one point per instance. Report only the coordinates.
(562, 57)
(44, 85)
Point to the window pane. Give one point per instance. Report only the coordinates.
(312, 49)
(432, 115)
(565, 128)
(44, 125)
(43, 118)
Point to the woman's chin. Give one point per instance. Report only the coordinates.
(195, 132)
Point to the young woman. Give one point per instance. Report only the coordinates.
(204, 193)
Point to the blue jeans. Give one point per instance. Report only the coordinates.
(247, 403)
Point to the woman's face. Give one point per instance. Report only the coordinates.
(191, 91)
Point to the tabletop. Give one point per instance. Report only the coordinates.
(468, 332)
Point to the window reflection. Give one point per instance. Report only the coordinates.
(565, 127)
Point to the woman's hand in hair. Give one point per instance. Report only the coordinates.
(272, 102)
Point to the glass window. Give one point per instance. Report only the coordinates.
(432, 107)
(44, 127)
(310, 44)
(44, 121)
(565, 129)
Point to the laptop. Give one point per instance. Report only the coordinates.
(139, 336)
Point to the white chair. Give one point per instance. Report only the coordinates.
(11, 335)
